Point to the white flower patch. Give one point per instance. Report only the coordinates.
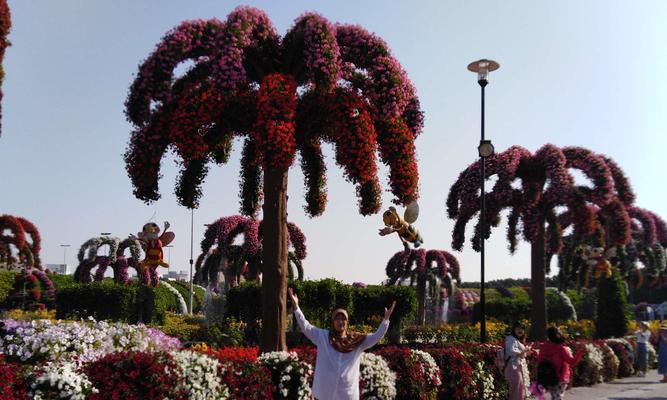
(199, 376)
(290, 375)
(378, 381)
(429, 367)
(83, 340)
(482, 383)
(61, 380)
(595, 360)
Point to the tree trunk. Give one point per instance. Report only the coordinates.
(538, 323)
(421, 300)
(274, 270)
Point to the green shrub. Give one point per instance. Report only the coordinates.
(613, 310)
(559, 306)
(6, 283)
(106, 300)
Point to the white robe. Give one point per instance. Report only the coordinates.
(336, 373)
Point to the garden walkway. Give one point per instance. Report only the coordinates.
(632, 388)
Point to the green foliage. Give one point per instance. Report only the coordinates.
(505, 309)
(371, 301)
(518, 307)
(107, 300)
(6, 283)
(559, 306)
(584, 302)
(61, 281)
(613, 311)
(197, 298)
(318, 299)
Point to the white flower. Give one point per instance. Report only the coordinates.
(377, 380)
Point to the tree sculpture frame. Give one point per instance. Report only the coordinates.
(319, 82)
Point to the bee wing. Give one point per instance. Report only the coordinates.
(411, 212)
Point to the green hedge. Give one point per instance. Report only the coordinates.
(6, 283)
(509, 309)
(184, 289)
(318, 299)
(107, 300)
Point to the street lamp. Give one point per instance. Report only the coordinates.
(169, 246)
(64, 246)
(192, 241)
(482, 68)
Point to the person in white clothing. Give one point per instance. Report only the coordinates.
(338, 352)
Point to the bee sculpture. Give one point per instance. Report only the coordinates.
(402, 226)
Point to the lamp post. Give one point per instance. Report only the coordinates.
(482, 68)
(64, 246)
(192, 241)
(169, 246)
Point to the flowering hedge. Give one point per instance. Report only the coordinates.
(417, 373)
(43, 340)
(291, 377)
(135, 376)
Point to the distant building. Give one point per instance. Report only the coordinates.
(58, 268)
(178, 275)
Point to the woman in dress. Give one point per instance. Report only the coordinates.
(338, 352)
(642, 334)
(516, 369)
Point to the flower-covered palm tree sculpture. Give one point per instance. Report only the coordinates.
(18, 230)
(319, 82)
(5, 25)
(534, 188)
(421, 266)
(221, 255)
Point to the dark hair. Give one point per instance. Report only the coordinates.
(516, 325)
(554, 335)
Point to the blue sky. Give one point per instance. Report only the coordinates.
(572, 73)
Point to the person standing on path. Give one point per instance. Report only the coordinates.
(338, 352)
(643, 334)
(561, 358)
(662, 353)
(516, 370)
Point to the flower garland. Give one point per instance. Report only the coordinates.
(14, 226)
(35, 244)
(291, 376)
(88, 258)
(5, 25)
(376, 379)
(234, 89)
(122, 264)
(400, 265)
(182, 307)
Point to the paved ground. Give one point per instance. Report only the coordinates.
(647, 388)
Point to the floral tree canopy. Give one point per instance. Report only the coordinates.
(533, 187)
(540, 192)
(319, 82)
(5, 25)
(244, 260)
